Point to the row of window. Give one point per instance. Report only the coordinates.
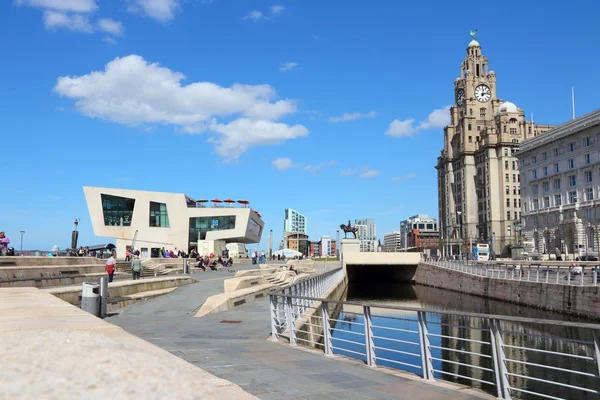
(570, 147)
(118, 211)
(557, 199)
(571, 179)
(587, 159)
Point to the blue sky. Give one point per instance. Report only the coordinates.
(286, 104)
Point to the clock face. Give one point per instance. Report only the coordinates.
(483, 93)
(460, 97)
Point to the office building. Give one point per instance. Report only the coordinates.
(297, 241)
(367, 234)
(417, 231)
(478, 176)
(325, 247)
(294, 222)
(150, 221)
(392, 242)
(560, 189)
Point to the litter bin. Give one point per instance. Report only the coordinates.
(90, 298)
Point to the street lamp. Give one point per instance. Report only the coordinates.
(22, 233)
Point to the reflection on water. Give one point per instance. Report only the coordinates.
(464, 355)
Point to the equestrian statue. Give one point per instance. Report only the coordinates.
(348, 229)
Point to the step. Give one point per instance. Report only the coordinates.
(229, 300)
(119, 302)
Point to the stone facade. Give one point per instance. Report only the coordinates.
(477, 163)
(560, 185)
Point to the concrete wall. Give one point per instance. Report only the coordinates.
(577, 300)
(381, 267)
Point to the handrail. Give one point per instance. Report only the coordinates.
(430, 341)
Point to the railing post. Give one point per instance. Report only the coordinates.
(595, 275)
(289, 313)
(499, 363)
(369, 341)
(426, 363)
(557, 273)
(597, 351)
(582, 274)
(537, 276)
(274, 316)
(327, 343)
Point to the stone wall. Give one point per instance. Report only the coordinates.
(577, 300)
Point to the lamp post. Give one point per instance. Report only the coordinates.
(22, 233)
(337, 244)
(459, 221)
(517, 226)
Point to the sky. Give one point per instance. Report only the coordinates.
(333, 108)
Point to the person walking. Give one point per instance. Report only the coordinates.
(111, 267)
(4, 242)
(136, 267)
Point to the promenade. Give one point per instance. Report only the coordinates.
(233, 345)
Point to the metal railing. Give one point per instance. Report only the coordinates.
(582, 275)
(510, 357)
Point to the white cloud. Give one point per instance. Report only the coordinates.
(109, 39)
(110, 26)
(313, 169)
(76, 6)
(287, 66)
(353, 116)
(438, 118)
(160, 10)
(132, 91)
(74, 22)
(282, 163)
(276, 9)
(254, 16)
(404, 177)
(363, 172)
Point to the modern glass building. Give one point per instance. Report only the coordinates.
(150, 221)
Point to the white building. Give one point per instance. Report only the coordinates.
(150, 221)
(367, 234)
(392, 242)
(560, 188)
(294, 222)
(326, 246)
(421, 222)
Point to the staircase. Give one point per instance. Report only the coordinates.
(154, 266)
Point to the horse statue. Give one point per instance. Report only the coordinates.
(348, 229)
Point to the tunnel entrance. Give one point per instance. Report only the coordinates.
(380, 273)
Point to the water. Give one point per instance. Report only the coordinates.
(399, 348)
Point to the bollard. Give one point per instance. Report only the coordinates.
(103, 291)
(90, 298)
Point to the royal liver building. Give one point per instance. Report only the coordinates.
(478, 174)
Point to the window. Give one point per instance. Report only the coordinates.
(588, 159)
(572, 180)
(534, 189)
(515, 190)
(507, 202)
(557, 200)
(508, 215)
(535, 204)
(546, 202)
(546, 186)
(513, 131)
(556, 183)
(589, 194)
(118, 211)
(506, 178)
(505, 164)
(571, 147)
(544, 156)
(587, 142)
(514, 165)
(545, 171)
(515, 201)
(534, 174)
(507, 189)
(555, 152)
(505, 152)
(470, 111)
(533, 159)
(158, 215)
(556, 168)
(504, 129)
(469, 127)
(572, 197)
(571, 163)
(470, 139)
(482, 113)
(588, 176)
(200, 225)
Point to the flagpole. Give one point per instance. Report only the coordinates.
(573, 101)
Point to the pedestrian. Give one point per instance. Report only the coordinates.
(136, 267)
(4, 241)
(111, 266)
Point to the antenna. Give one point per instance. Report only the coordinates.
(573, 101)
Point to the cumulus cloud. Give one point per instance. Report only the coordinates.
(132, 91)
(438, 118)
(282, 163)
(160, 10)
(287, 66)
(363, 172)
(75, 6)
(74, 22)
(353, 116)
(110, 26)
(254, 16)
(313, 169)
(276, 9)
(404, 177)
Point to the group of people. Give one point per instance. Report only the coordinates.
(136, 265)
(212, 263)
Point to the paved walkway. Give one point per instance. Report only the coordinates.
(240, 353)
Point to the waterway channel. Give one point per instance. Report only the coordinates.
(397, 343)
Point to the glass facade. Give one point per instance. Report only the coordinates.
(204, 224)
(158, 215)
(118, 211)
(254, 228)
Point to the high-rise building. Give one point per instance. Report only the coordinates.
(478, 176)
(294, 222)
(392, 242)
(367, 234)
(418, 232)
